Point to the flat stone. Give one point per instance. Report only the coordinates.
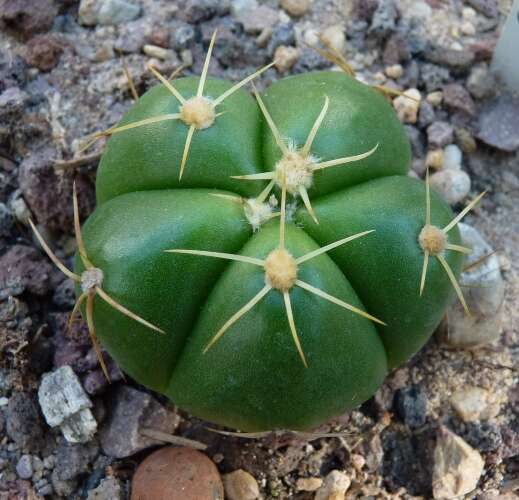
(64, 403)
(308, 483)
(474, 403)
(457, 467)
(107, 12)
(499, 123)
(131, 411)
(484, 295)
(457, 98)
(24, 467)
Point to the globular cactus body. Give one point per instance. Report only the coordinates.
(262, 329)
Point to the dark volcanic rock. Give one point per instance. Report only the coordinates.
(43, 52)
(411, 405)
(23, 422)
(23, 268)
(49, 195)
(27, 17)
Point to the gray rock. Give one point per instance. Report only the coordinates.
(383, 22)
(484, 294)
(109, 489)
(65, 294)
(107, 12)
(24, 467)
(457, 60)
(499, 123)
(64, 403)
(457, 98)
(426, 114)
(481, 82)
(182, 37)
(197, 11)
(457, 466)
(433, 77)
(452, 157)
(27, 17)
(416, 139)
(131, 411)
(12, 102)
(439, 134)
(23, 423)
(257, 19)
(74, 459)
(474, 403)
(63, 487)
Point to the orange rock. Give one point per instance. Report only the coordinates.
(177, 474)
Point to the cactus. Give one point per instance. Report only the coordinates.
(263, 262)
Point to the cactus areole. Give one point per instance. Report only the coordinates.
(275, 240)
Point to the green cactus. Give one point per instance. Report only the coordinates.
(276, 246)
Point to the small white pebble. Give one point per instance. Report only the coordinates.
(453, 185)
(452, 157)
(395, 71)
(333, 36)
(435, 98)
(467, 28)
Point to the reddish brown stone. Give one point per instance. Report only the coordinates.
(27, 17)
(43, 52)
(177, 474)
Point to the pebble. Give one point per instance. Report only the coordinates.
(426, 116)
(452, 157)
(474, 403)
(407, 109)
(457, 467)
(28, 17)
(335, 486)
(109, 489)
(107, 12)
(439, 134)
(177, 474)
(158, 52)
(453, 185)
(296, 8)
(24, 467)
(457, 60)
(308, 483)
(182, 37)
(73, 460)
(499, 123)
(383, 22)
(24, 269)
(433, 76)
(334, 37)
(467, 28)
(23, 423)
(64, 403)
(257, 19)
(410, 404)
(240, 485)
(435, 159)
(435, 98)
(43, 52)
(465, 140)
(131, 410)
(484, 296)
(457, 98)
(285, 58)
(396, 50)
(394, 71)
